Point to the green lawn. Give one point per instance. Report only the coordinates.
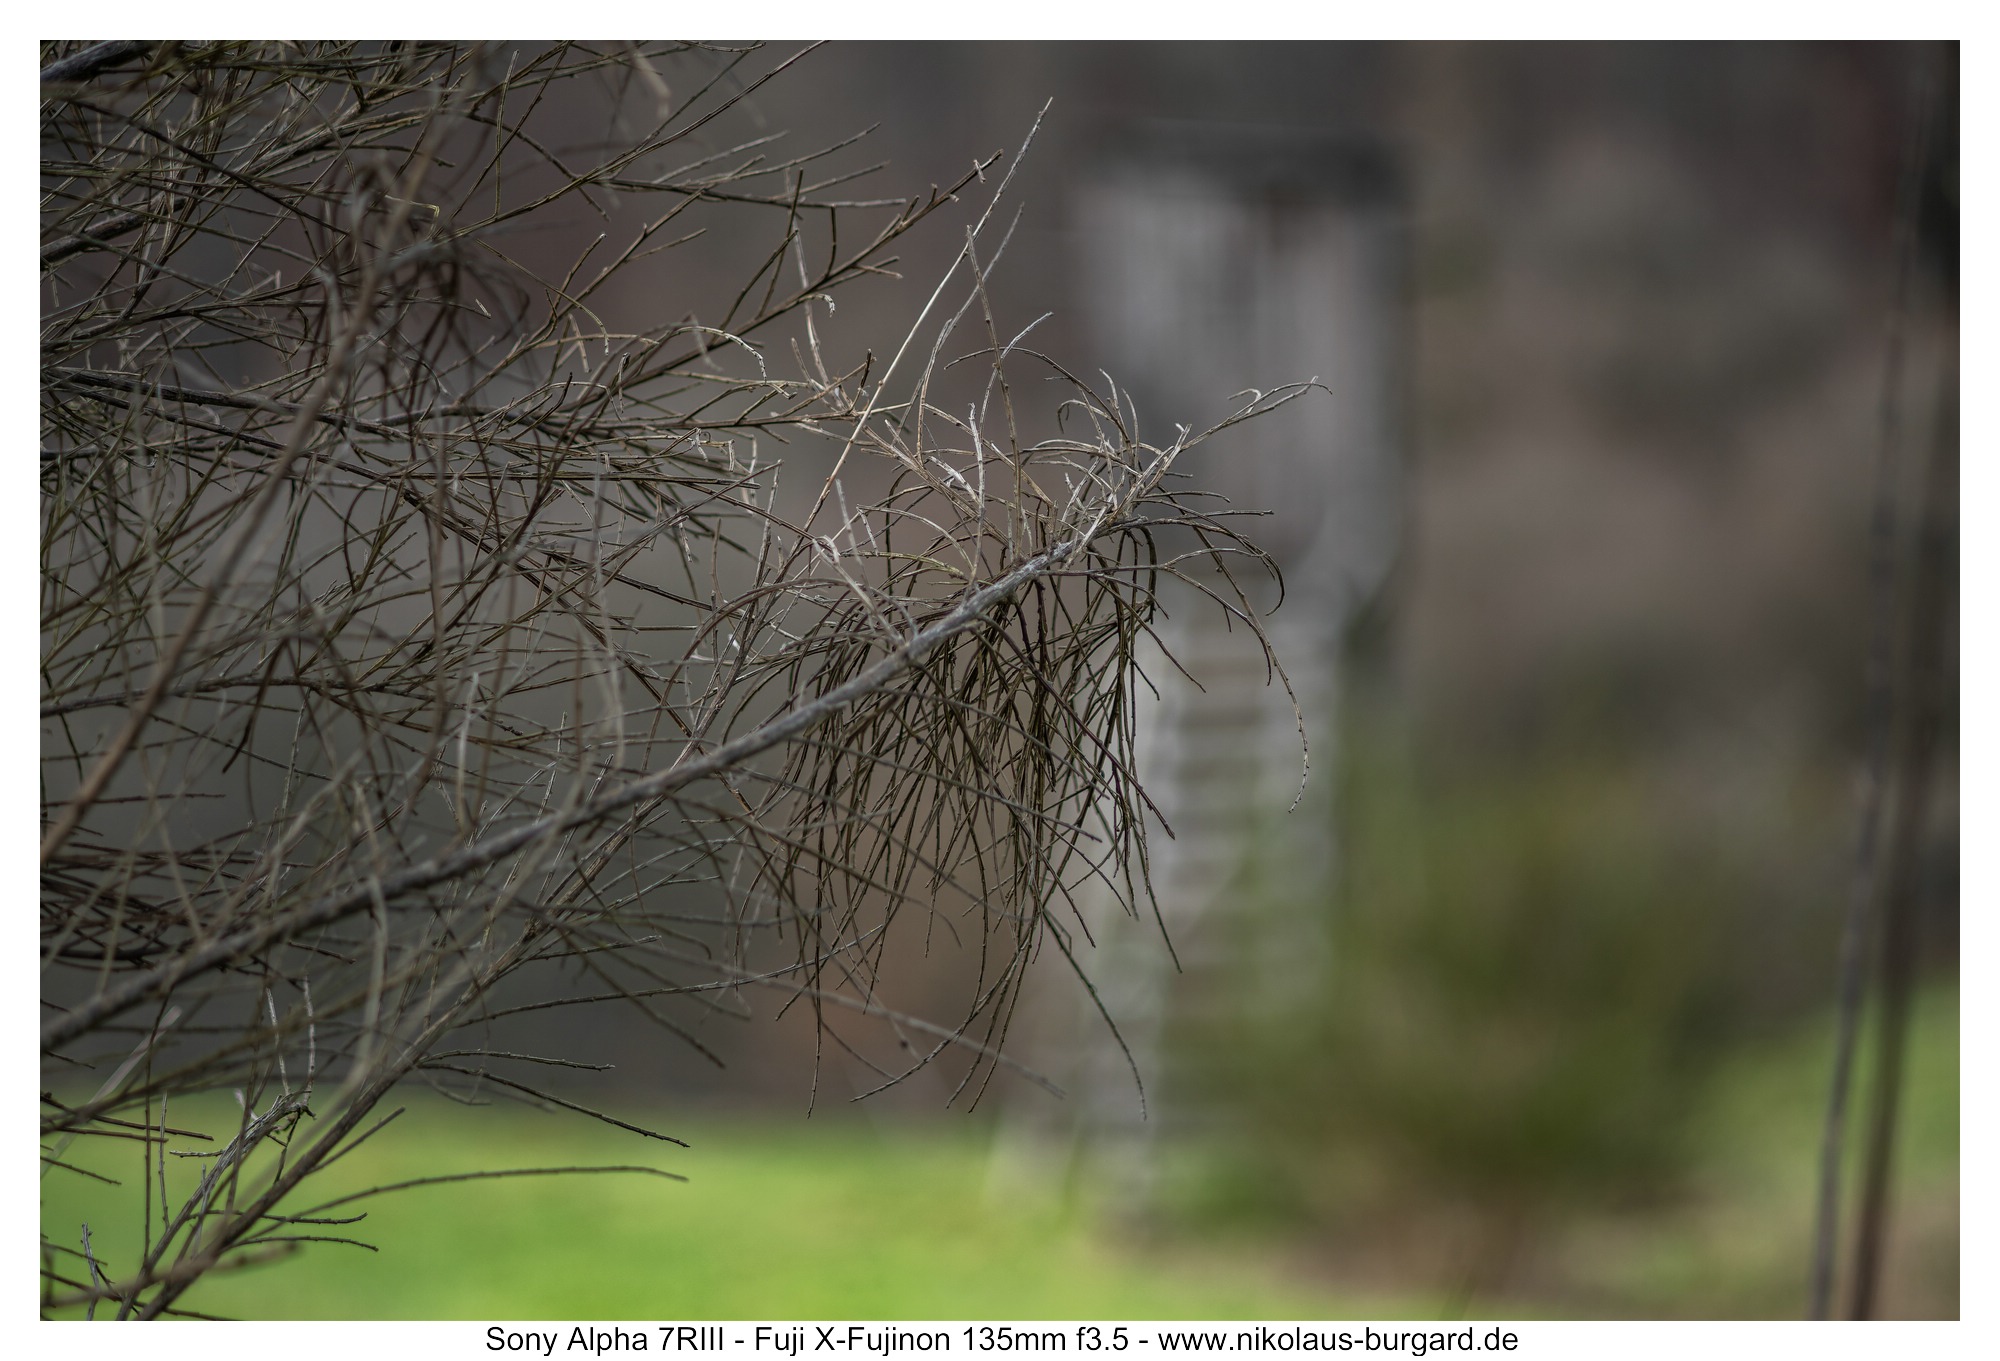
(778, 1219)
(788, 1218)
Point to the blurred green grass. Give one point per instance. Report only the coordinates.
(788, 1218)
(780, 1218)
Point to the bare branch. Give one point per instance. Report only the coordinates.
(431, 637)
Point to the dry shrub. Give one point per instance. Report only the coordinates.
(408, 629)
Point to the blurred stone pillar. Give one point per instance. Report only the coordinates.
(1210, 259)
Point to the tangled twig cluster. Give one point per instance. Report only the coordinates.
(408, 627)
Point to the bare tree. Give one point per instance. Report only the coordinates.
(408, 628)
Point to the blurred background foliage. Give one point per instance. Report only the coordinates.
(1525, 976)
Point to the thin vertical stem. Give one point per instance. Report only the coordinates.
(1865, 884)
